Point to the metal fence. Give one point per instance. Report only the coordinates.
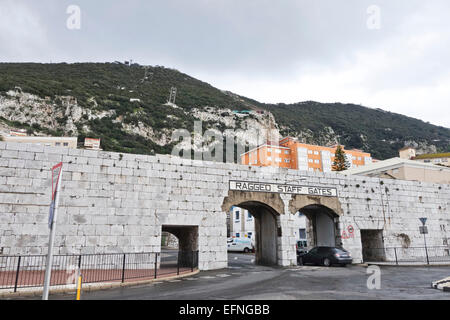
(29, 271)
(410, 255)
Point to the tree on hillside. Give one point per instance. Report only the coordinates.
(340, 162)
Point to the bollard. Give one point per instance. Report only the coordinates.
(79, 284)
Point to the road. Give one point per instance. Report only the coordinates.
(244, 281)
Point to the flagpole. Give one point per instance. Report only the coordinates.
(48, 270)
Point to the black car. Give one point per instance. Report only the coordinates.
(325, 256)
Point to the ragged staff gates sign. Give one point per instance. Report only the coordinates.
(282, 188)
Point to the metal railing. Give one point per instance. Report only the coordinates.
(28, 271)
(411, 255)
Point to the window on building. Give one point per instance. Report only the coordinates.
(286, 151)
(287, 160)
(316, 161)
(278, 160)
(302, 233)
(66, 144)
(277, 150)
(316, 153)
(57, 144)
(237, 216)
(249, 216)
(310, 160)
(310, 152)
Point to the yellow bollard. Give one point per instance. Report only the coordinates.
(79, 287)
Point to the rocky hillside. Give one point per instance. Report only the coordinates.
(126, 106)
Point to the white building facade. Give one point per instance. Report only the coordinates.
(241, 224)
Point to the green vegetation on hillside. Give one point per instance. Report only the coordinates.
(376, 131)
(110, 86)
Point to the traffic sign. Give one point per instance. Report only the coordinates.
(350, 229)
(423, 220)
(423, 230)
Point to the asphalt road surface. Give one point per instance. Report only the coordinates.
(242, 280)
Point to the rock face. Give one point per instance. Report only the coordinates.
(112, 202)
(65, 115)
(126, 107)
(60, 114)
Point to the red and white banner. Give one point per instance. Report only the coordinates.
(56, 178)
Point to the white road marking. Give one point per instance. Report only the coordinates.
(223, 275)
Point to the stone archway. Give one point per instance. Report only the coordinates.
(272, 200)
(300, 201)
(266, 208)
(323, 218)
(187, 242)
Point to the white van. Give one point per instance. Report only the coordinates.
(240, 244)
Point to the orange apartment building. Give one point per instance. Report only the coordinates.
(290, 153)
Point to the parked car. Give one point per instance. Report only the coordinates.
(301, 247)
(240, 245)
(326, 256)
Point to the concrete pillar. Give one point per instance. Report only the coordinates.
(266, 238)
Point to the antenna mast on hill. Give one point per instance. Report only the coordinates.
(173, 95)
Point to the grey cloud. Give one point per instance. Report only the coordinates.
(267, 40)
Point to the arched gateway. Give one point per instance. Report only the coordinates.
(266, 208)
(273, 206)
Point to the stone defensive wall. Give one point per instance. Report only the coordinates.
(114, 203)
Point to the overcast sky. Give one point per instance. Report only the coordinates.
(393, 56)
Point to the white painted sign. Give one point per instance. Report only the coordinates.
(282, 188)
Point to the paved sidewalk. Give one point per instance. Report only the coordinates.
(31, 282)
